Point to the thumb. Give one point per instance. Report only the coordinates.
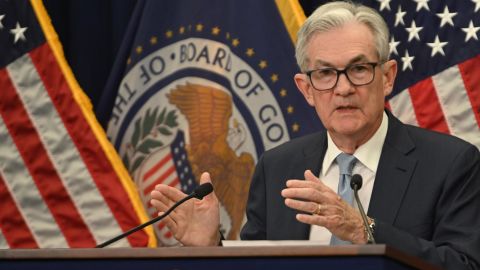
(309, 176)
(205, 178)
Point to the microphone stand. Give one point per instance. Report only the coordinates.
(362, 213)
(198, 193)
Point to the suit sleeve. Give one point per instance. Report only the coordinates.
(455, 242)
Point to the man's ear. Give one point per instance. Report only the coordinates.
(389, 75)
(301, 80)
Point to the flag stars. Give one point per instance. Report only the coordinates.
(235, 42)
(250, 52)
(181, 30)
(274, 77)
(399, 16)
(215, 31)
(446, 16)
(477, 5)
(263, 64)
(199, 27)
(129, 61)
(169, 34)
(384, 4)
(283, 92)
(422, 4)
(393, 46)
(437, 46)
(139, 49)
(407, 61)
(227, 35)
(153, 40)
(413, 31)
(471, 31)
(1, 19)
(19, 33)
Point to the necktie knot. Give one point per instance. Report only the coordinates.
(345, 163)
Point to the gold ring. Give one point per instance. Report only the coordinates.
(318, 210)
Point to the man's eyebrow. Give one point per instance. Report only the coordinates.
(356, 59)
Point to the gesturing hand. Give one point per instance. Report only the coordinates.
(194, 223)
(323, 207)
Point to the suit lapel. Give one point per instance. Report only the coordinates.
(394, 172)
(313, 154)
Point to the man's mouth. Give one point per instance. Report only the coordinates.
(346, 108)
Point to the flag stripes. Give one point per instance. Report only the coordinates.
(162, 172)
(427, 106)
(45, 176)
(470, 71)
(70, 194)
(456, 105)
(33, 210)
(448, 102)
(19, 235)
(3, 242)
(401, 106)
(61, 182)
(158, 166)
(92, 172)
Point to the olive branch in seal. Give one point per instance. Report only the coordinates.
(147, 136)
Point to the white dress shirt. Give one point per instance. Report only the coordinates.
(368, 156)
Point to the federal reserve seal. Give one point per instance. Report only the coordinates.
(196, 104)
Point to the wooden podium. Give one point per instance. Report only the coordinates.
(271, 258)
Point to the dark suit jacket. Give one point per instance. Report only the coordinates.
(425, 199)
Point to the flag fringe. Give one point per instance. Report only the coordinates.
(292, 16)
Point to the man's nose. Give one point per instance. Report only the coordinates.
(344, 86)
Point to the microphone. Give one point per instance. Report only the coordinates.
(356, 184)
(199, 192)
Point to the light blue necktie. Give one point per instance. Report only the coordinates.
(345, 164)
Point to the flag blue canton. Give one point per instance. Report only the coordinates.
(19, 30)
(437, 49)
(430, 36)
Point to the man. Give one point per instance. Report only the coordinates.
(421, 188)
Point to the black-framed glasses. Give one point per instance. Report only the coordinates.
(324, 79)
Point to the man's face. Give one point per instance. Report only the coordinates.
(347, 110)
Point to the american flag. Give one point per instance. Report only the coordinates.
(169, 166)
(60, 182)
(437, 47)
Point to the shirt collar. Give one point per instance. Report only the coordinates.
(368, 153)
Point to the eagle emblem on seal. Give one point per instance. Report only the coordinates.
(213, 145)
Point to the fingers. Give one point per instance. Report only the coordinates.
(160, 201)
(311, 182)
(170, 192)
(309, 176)
(162, 204)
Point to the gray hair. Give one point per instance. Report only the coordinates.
(337, 14)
